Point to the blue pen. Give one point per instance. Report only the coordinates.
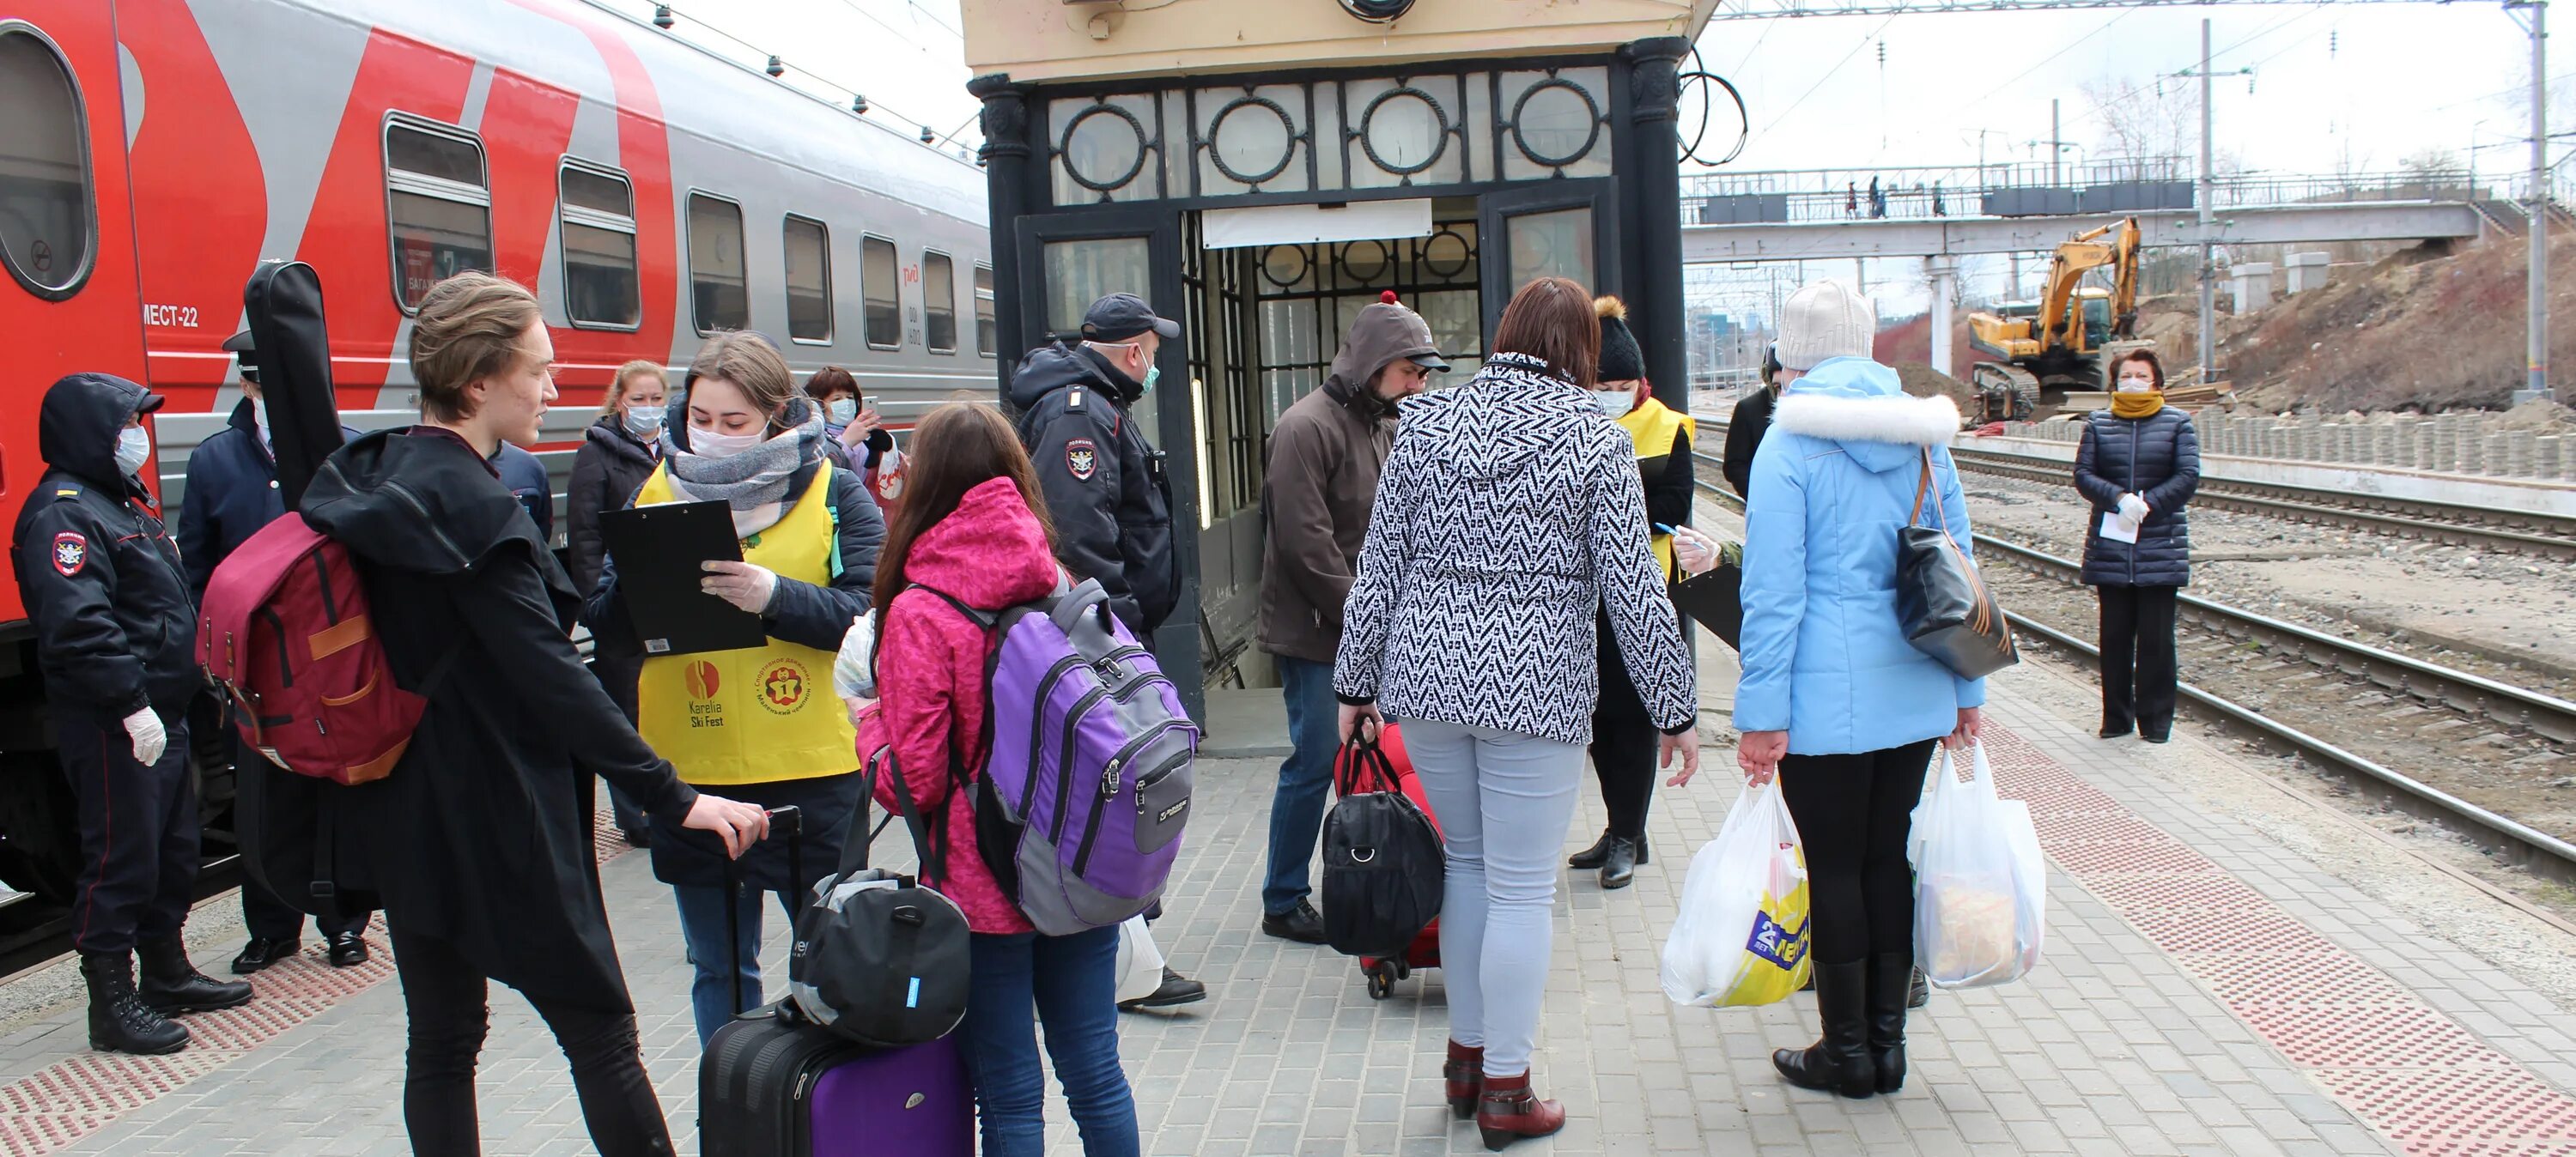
(1660, 528)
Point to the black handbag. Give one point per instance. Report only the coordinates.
(879, 958)
(1943, 605)
(1383, 861)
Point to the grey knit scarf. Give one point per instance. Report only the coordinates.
(754, 482)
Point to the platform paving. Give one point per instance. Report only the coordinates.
(2205, 990)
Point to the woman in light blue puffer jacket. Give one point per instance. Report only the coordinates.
(1833, 699)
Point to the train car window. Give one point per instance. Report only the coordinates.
(601, 289)
(438, 200)
(48, 218)
(939, 303)
(809, 281)
(988, 331)
(718, 293)
(880, 284)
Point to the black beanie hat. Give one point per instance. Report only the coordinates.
(1621, 360)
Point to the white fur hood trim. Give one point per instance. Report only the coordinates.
(1898, 418)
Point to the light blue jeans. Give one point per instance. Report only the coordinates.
(1504, 801)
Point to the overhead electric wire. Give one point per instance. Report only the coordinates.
(1828, 75)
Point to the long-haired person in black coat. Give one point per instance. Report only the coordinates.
(479, 840)
(2138, 467)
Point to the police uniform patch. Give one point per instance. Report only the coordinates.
(71, 552)
(1082, 458)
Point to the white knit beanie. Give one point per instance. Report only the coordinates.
(1825, 320)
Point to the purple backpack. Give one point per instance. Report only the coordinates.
(1087, 773)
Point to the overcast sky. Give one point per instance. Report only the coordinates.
(2337, 86)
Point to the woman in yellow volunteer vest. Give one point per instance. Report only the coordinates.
(760, 723)
(1623, 737)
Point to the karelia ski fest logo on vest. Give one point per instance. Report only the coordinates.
(703, 682)
(784, 687)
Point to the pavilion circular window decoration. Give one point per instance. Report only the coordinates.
(1366, 261)
(1093, 143)
(1250, 137)
(1415, 125)
(1286, 266)
(1557, 105)
(1447, 260)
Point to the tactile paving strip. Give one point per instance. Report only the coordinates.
(2416, 1076)
(80, 1094)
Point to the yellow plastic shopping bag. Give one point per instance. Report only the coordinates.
(1742, 936)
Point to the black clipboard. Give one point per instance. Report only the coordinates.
(659, 552)
(1716, 600)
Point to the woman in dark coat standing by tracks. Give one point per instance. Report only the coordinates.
(617, 455)
(2138, 467)
(479, 840)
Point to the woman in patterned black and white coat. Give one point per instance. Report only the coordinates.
(1509, 509)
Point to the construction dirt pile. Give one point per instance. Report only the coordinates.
(1923, 381)
(2426, 329)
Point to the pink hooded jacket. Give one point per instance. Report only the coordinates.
(989, 553)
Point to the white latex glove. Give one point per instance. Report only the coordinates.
(2133, 509)
(1695, 552)
(150, 739)
(743, 584)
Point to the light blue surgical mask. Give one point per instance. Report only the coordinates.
(645, 422)
(133, 446)
(1152, 373)
(841, 411)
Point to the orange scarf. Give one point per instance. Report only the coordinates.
(2137, 405)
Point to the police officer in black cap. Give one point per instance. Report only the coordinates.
(1104, 483)
(115, 636)
(232, 493)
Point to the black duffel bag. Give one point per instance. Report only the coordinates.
(1383, 861)
(879, 958)
(1943, 605)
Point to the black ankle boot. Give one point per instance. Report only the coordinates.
(1619, 868)
(172, 985)
(119, 1021)
(1891, 981)
(1591, 857)
(1839, 1061)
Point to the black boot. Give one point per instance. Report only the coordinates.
(1891, 980)
(1619, 868)
(172, 985)
(1591, 857)
(119, 1021)
(1839, 1061)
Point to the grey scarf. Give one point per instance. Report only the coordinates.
(754, 482)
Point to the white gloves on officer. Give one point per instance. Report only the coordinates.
(1694, 552)
(150, 739)
(2133, 509)
(743, 584)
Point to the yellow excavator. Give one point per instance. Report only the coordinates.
(2059, 344)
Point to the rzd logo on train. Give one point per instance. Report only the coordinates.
(783, 687)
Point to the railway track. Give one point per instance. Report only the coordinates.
(2539, 535)
(2507, 707)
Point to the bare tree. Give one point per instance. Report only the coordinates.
(2142, 121)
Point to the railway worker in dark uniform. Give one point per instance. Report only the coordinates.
(1104, 481)
(2138, 466)
(232, 493)
(115, 632)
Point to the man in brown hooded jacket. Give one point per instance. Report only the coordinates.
(1324, 459)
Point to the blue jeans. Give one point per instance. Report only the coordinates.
(1069, 983)
(1305, 782)
(702, 928)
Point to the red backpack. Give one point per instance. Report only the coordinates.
(284, 630)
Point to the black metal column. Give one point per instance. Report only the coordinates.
(1006, 184)
(1653, 183)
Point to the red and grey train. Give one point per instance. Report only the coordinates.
(152, 152)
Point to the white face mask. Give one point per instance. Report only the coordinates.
(1615, 403)
(841, 411)
(645, 421)
(133, 446)
(2136, 385)
(710, 444)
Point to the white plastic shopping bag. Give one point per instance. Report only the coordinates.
(1140, 964)
(1980, 881)
(1741, 938)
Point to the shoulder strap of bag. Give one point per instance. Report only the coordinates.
(1922, 486)
(932, 854)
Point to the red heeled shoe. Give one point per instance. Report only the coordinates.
(1465, 1073)
(1509, 1111)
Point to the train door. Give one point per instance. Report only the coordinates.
(68, 302)
(1067, 260)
